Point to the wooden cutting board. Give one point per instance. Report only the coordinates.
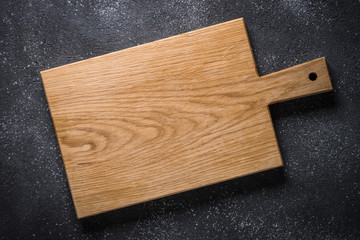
(169, 116)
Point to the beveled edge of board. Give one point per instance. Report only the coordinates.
(240, 20)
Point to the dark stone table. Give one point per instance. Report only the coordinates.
(316, 195)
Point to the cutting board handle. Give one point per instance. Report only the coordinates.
(301, 80)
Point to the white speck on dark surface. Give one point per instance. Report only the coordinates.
(314, 196)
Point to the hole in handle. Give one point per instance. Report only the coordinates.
(312, 76)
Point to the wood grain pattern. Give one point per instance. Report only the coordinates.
(169, 116)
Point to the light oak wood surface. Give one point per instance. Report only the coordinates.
(169, 116)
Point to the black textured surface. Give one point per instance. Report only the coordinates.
(315, 196)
